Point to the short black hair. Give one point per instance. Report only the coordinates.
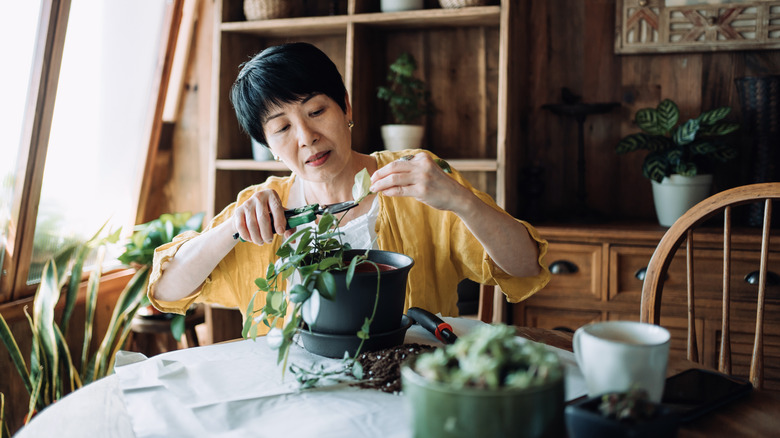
(283, 74)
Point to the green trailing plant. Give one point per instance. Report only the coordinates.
(139, 250)
(679, 148)
(319, 252)
(53, 370)
(489, 357)
(406, 95)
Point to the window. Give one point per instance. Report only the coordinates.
(84, 111)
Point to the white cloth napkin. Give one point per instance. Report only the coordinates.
(236, 389)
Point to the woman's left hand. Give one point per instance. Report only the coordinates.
(421, 178)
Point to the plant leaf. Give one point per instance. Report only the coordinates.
(362, 184)
(655, 167)
(327, 262)
(177, 326)
(16, 354)
(647, 120)
(91, 302)
(351, 270)
(299, 293)
(46, 298)
(686, 133)
(668, 115)
(326, 221)
(723, 128)
(714, 116)
(686, 168)
(249, 317)
(632, 143)
(262, 284)
(326, 285)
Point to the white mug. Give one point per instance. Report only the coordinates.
(617, 356)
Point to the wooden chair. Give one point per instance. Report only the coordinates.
(682, 230)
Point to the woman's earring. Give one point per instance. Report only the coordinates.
(276, 157)
(350, 124)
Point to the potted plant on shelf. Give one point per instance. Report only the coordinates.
(334, 292)
(486, 384)
(678, 155)
(409, 102)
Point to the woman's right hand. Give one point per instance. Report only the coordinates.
(260, 217)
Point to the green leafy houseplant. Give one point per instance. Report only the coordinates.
(139, 250)
(679, 148)
(318, 253)
(406, 95)
(52, 372)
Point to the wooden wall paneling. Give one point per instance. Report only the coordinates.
(187, 186)
(558, 62)
(154, 122)
(600, 73)
(458, 128)
(513, 70)
(367, 110)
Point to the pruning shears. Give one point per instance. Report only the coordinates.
(308, 213)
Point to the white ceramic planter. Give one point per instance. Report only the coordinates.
(400, 137)
(676, 194)
(400, 5)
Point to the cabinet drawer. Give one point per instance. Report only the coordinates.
(558, 318)
(576, 271)
(627, 262)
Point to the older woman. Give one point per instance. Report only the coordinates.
(292, 99)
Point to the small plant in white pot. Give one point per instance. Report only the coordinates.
(679, 154)
(409, 101)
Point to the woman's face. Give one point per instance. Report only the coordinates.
(311, 137)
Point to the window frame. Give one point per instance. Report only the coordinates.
(33, 145)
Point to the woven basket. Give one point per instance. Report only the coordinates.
(452, 4)
(270, 9)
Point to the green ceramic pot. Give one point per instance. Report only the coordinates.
(439, 410)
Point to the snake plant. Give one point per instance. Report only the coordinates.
(52, 372)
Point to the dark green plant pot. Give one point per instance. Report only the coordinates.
(441, 411)
(345, 314)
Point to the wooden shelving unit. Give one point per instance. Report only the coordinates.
(463, 54)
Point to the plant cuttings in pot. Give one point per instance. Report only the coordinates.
(308, 260)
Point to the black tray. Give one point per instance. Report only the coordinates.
(334, 346)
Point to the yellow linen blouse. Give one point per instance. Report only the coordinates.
(444, 252)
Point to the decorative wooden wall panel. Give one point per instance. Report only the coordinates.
(658, 26)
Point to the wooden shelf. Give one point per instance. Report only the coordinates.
(337, 24)
(462, 165)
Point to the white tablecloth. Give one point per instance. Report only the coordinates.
(236, 389)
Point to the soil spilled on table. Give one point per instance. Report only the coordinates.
(382, 368)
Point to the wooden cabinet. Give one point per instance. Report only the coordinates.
(463, 55)
(598, 273)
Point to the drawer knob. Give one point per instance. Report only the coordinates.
(563, 267)
(640, 274)
(772, 279)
